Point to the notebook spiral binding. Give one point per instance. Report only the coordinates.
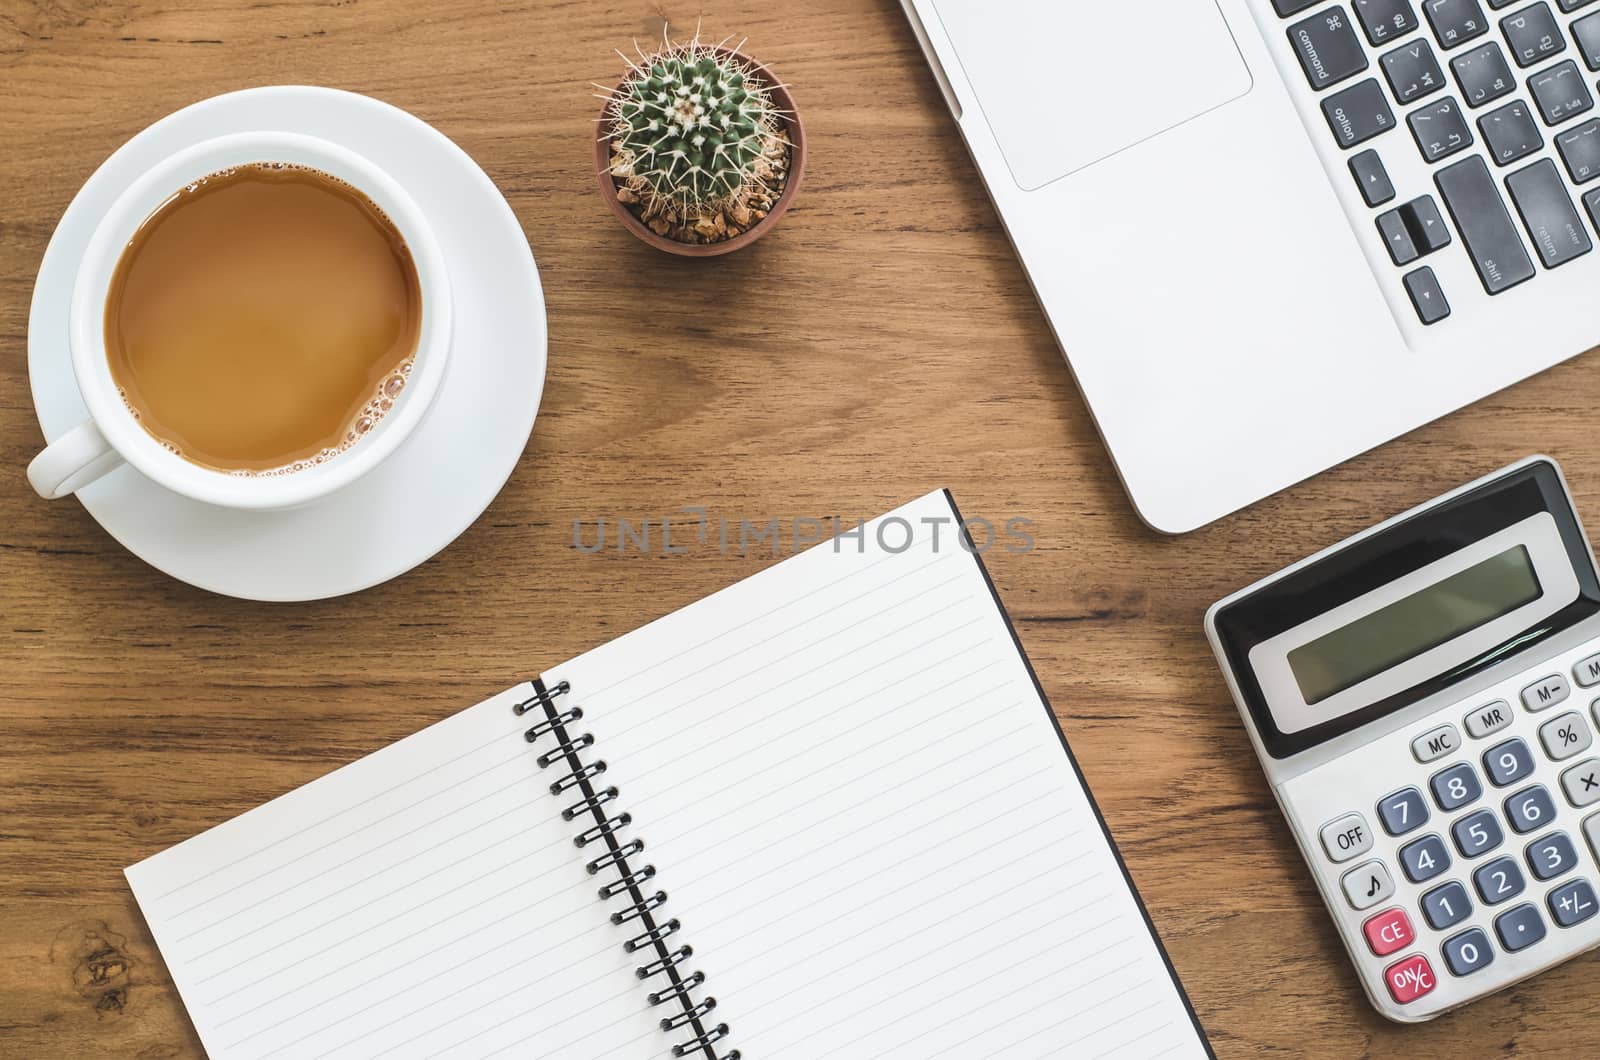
(603, 823)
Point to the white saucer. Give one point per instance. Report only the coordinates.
(446, 473)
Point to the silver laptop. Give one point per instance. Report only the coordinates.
(1272, 234)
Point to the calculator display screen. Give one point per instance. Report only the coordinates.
(1414, 624)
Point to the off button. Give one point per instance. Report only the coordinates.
(1346, 838)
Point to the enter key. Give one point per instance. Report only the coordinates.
(1548, 213)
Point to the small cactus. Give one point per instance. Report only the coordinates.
(692, 123)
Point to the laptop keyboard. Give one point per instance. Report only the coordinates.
(1520, 76)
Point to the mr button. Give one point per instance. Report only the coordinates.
(1346, 837)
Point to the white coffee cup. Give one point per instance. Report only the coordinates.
(111, 436)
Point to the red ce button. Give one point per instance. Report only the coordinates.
(1389, 931)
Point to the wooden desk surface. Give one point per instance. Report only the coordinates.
(883, 342)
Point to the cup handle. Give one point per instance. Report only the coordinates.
(72, 461)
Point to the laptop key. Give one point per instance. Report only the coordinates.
(1483, 74)
(1358, 113)
(1533, 33)
(1455, 22)
(1547, 212)
(1371, 178)
(1285, 8)
(1491, 238)
(1573, 5)
(1440, 128)
(1592, 202)
(1397, 237)
(1580, 151)
(1384, 20)
(1328, 47)
(1560, 93)
(1412, 70)
(1427, 297)
(1586, 31)
(1510, 132)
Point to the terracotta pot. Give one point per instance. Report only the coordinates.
(790, 117)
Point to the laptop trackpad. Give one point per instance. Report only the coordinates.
(1065, 83)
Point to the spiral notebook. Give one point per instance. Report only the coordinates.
(824, 812)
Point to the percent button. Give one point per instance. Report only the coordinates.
(1565, 736)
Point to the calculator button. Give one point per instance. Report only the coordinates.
(1546, 693)
(1565, 736)
(1389, 931)
(1519, 928)
(1455, 786)
(1403, 812)
(1591, 832)
(1582, 782)
(1436, 743)
(1446, 905)
(1530, 808)
(1467, 952)
(1491, 717)
(1425, 858)
(1587, 671)
(1477, 833)
(1409, 978)
(1498, 881)
(1367, 885)
(1347, 837)
(1507, 763)
(1573, 903)
(1551, 855)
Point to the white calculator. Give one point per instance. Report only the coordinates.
(1423, 697)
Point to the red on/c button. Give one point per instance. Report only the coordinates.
(1388, 931)
(1410, 978)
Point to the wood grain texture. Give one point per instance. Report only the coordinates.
(881, 343)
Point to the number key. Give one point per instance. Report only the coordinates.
(1468, 952)
(1425, 858)
(1498, 881)
(1446, 905)
(1412, 70)
(1530, 808)
(1456, 786)
(1477, 833)
(1455, 22)
(1440, 129)
(1551, 855)
(1403, 812)
(1384, 20)
(1507, 763)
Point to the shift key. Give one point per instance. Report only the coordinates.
(1485, 224)
(1548, 213)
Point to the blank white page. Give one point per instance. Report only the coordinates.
(424, 901)
(866, 820)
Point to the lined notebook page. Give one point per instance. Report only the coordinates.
(424, 901)
(850, 788)
(866, 821)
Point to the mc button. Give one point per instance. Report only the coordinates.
(1346, 837)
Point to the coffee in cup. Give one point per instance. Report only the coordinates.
(263, 319)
